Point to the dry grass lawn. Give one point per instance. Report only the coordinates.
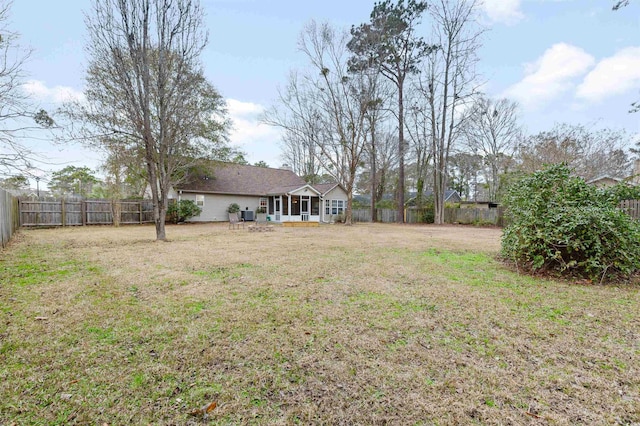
(368, 324)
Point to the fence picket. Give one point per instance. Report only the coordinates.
(84, 212)
(9, 217)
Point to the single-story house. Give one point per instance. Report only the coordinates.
(285, 195)
(604, 181)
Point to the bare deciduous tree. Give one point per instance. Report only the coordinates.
(146, 90)
(419, 129)
(302, 126)
(464, 171)
(329, 107)
(492, 130)
(378, 137)
(18, 116)
(389, 44)
(590, 153)
(448, 83)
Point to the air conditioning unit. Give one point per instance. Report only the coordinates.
(247, 215)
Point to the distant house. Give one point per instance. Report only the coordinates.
(285, 195)
(450, 196)
(606, 180)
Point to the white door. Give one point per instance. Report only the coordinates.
(277, 210)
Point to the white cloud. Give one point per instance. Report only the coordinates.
(239, 108)
(503, 11)
(56, 94)
(259, 140)
(614, 75)
(551, 75)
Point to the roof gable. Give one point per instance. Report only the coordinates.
(324, 188)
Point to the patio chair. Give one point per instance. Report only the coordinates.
(235, 221)
(262, 224)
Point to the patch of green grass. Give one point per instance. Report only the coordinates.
(457, 260)
(196, 307)
(224, 273)
(138, 380)
(102, 335)
(29, 274)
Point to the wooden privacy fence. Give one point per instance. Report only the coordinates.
(451, 215)
(466, 216)
(383, 215)
(9, 216)
(631, 207)
(85, 212)
(475, 216)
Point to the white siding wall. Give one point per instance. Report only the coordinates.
(215, 206)
(336, 193)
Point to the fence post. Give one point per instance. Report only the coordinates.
(83, 212)
(140, 210)
(63, 213)
(19, 212)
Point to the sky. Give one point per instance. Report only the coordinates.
(573, 61)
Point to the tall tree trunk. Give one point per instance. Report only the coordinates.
(400, 217)
(373, 176)
(348, 219)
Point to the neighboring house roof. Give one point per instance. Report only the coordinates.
(240, 179)
(25, 192)
(604, 180)
(450, 195)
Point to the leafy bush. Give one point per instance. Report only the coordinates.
(183, 210)
(556, 222)
(233, 208)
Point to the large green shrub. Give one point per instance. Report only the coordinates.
(556, 222)
(183, 210)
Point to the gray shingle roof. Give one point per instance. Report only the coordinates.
(323, 188)
(231, 178)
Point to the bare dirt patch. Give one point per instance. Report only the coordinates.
(339, 325)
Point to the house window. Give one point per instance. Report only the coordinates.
(334, 207)
(263, 203)
(199, 200)
(315, 206)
